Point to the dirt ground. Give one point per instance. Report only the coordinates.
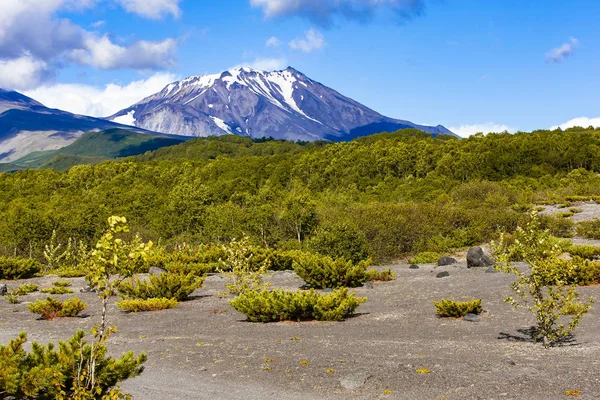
(204, 349)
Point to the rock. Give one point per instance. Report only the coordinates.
(566, 257)
(491, 270)
(368, 285)
(471, 318)
(86, 289)
(477, 258)
(327, 290)
(354, 381)
(413, 266)
(156, 271)
(3, 289)
(442, 274)
(446, 261)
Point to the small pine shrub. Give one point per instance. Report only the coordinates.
(457, 309)
(282, 305)
(26, 289)
(324, 272)
(576, 210)
(198, 269)
(61, 283)
(584, 251)
(589, 229)
(166, 285)
(560, 225)
(564, 214)
(12, 297)
(52, 308)
(18, 268)
(57, 290)
(60, 373)
(150, 304)
(69, 272)
(426, 257)
(380, 276)
(340, 241)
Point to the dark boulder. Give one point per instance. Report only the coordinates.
(413, 266)
(477, 258)
(3, 289)
(446, 261)
(442, 274)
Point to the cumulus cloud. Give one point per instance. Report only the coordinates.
(558, 54)
(264, 64)
(99, 101)
(313, 40)
(34, 36)
(273, 41)
(324, 11)
(580, 121)
(468, 130)
(154, 9)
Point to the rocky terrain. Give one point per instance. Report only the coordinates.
(204, 349)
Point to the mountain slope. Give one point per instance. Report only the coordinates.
(27, 126)
(94, 147)
(282, 104)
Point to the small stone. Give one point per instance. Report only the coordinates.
(368, 285)
(442, 274)
(156, 271)
(3, 289)
(471, 318)
(327, 290)
(413, 266)
(477, 258)
(491, 270)
(446, 261)
(86, 289)
(202, 369)
(354, 381)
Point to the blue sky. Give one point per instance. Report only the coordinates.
(467, 64)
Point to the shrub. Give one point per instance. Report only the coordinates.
(52, 308)
(324, 272)
(18, 268)
(381, 276)
(457, 309)
(241, 269)
(564, 214)
(150, 304)
(57, 290)
(589, 229)
(166, 285)
(62, 373)
(198, 269)
(426, 257)
(26, 289)
(69, 272)
(62, 283)
(559, 227)
(187, 259)
(544, 289)
(340, 241)
(574, 308)
(12, 297)
(584, 251)
(281, 305)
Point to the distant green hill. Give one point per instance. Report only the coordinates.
(93, 148)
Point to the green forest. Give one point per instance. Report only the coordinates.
(388, 195)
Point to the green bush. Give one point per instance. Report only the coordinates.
(150, 304)
(340, 241)
(564, 214)
(166, 285)
(187, 259)
(589, 229)
(558, 226)
(584, 251)
(26, 289)
(57, 290)
(324, 272)
(18, 268)
(381, 276)
(426, 257)
(69, 272)
(283, 305)
(52, 308)
(457, 309)
(61, 283)
(49, 373)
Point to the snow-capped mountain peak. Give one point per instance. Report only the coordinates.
(283, 104)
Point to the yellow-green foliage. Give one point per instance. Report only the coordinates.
(565, 214)
(18, 268)
(241, 268)
(281, 305)
(26, 289)
(151, 304)
(52, 308)
(381, 276)
(62, 283)
(574, 308)
(187, 259)
(166, 285)
(57, 290)
(324, 272)
(589, 229)
(426, 257)
(457, 309)
(69, 272)
(59, 373)
(584, 251)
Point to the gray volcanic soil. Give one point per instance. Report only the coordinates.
(204, 349)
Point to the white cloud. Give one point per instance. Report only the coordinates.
(558, 54)
(273, 42)
(323, 11)
(313, 40)
(22, 73)
(468, 130)
(264, 64)
(580, 121)
(154, 9)
(99, 102)
(98, 24)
